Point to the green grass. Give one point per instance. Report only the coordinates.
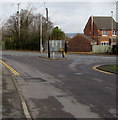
(110, 68)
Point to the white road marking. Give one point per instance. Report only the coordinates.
(78, 73)
(96, 79)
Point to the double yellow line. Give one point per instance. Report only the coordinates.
(10, 68)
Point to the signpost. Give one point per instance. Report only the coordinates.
(56, 46)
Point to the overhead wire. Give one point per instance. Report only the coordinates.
(44, 4)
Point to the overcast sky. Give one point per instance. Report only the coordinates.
(69, 16)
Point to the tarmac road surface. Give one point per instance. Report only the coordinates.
(67, 88)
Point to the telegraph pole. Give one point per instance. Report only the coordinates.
(41, 33)
(18, 12)
(48, 37)
(47, 15)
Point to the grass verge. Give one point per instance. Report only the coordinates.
(109, 68)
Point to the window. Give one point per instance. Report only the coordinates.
(114, 33)
(104, 33)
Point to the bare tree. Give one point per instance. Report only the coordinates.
(29, 30)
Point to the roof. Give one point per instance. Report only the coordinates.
(79, 44)
(87, 37)
(105, 23)
(71, 35)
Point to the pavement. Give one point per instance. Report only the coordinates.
(11, 104)
(0, 91)
(67, 88)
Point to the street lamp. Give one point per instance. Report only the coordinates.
(112, 22)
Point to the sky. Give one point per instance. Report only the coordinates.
(70, 16)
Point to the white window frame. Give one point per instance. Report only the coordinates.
(104, 34)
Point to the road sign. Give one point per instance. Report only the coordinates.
(56, 45)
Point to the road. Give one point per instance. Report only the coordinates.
(67, 88)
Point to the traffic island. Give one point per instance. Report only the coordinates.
(46, 58)
(109, 68)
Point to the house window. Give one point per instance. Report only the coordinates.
(104, 33)
(114, 33)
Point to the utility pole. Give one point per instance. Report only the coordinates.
(48, 37)
(18, 12)
(47, 15)
(41, 33)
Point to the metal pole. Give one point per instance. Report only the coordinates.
(66, 42)
(111, 27)
(47, 15)
(49, 48)
(47, 33)
(41, 33)
(53, 54)
(112, 22)
(19, 24)
(117, 11)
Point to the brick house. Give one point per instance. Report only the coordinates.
(102, 29)
(80, 43)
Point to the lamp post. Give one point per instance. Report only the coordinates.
(18, 12)
(112, 22)
(41, 33)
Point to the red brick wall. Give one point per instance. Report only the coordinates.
(104, 38)
(109, 33)
(79, 44)
(87, 30)
(96, 34)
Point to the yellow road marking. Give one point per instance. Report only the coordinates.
(95, 68)
(24, 105)
(10, 68)
(80, 52)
